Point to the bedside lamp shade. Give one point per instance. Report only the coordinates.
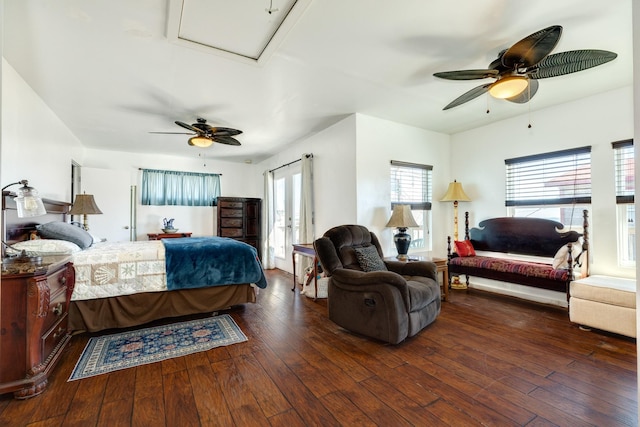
(402, 218)
(28, 202)
(85, 205)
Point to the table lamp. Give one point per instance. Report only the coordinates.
(402, 218)
(85, 205)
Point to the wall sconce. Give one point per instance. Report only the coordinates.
(85, 205)
(28, 202)
(402, 218)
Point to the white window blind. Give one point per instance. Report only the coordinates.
(557, 178)
(624, 170)
(411, 184)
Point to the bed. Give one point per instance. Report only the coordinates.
(124, 284)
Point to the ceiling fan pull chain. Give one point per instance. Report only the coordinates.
(529, 106)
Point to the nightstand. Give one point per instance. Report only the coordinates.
(33, 323)
(441, 267)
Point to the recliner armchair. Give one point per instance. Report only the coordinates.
(394, 301)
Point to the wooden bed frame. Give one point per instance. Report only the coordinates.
(129, 310)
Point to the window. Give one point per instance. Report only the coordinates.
(411, 185)
(554, 185)
(160, 187)
(624, 161)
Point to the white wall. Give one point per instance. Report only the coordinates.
(334, 157)
(236, 181)
(36, 145)
(478, 155)
(380, 141)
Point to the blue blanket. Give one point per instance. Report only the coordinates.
(197, 262)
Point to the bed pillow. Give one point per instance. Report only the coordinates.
(65, 231)
(561, 258)
(464, 248)
(369, 259)
(44, 247)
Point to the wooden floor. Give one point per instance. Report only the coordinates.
(487, 360)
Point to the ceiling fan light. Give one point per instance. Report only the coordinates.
(508, 87)
(200, 141)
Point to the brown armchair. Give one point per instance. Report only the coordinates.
(395, 301)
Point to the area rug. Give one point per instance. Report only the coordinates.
(128, 349)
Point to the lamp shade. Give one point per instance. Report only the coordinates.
(85, 205)
(455, 193)
(200, 141)
(28, 202)
(402, 217)
(508, 87)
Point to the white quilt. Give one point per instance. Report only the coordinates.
(119, 268)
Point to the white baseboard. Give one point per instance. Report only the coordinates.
(543, 296)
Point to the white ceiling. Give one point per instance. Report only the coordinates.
(111, 71)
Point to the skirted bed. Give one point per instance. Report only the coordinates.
(124, 284)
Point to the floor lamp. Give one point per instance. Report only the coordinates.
(455, 194)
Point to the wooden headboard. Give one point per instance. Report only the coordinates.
(16, 229)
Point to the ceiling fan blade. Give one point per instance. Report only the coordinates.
(219, 131)
(174, 133)
(527, 94)
(533, 48)
(467, 74)
(186, 126)
(468, 96)
(569, 62)
(226, 140)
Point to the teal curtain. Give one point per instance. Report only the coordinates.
(160, 187)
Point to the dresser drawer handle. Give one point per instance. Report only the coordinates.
(63, 280)
(57, 310)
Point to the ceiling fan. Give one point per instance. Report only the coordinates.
(518, 68)
(205, 134)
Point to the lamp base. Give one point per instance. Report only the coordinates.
(402, 241)
(457, 284)
(402, 257)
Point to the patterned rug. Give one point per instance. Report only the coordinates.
(128, 349)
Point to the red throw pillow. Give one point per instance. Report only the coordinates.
(464, 248)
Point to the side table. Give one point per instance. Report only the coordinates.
(441, 267)
(158, 236)
(305, 249)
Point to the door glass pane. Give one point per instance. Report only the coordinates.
(280, 224)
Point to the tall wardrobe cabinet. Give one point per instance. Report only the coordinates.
(240, 218)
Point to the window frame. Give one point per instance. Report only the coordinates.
(420, 206)
(624, 177)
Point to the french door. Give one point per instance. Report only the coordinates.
(286, 201)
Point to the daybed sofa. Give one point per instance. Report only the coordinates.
(528, 251)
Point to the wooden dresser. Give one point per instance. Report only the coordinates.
(240, 218)
(33, 323)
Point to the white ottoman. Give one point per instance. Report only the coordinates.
(604, 302)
